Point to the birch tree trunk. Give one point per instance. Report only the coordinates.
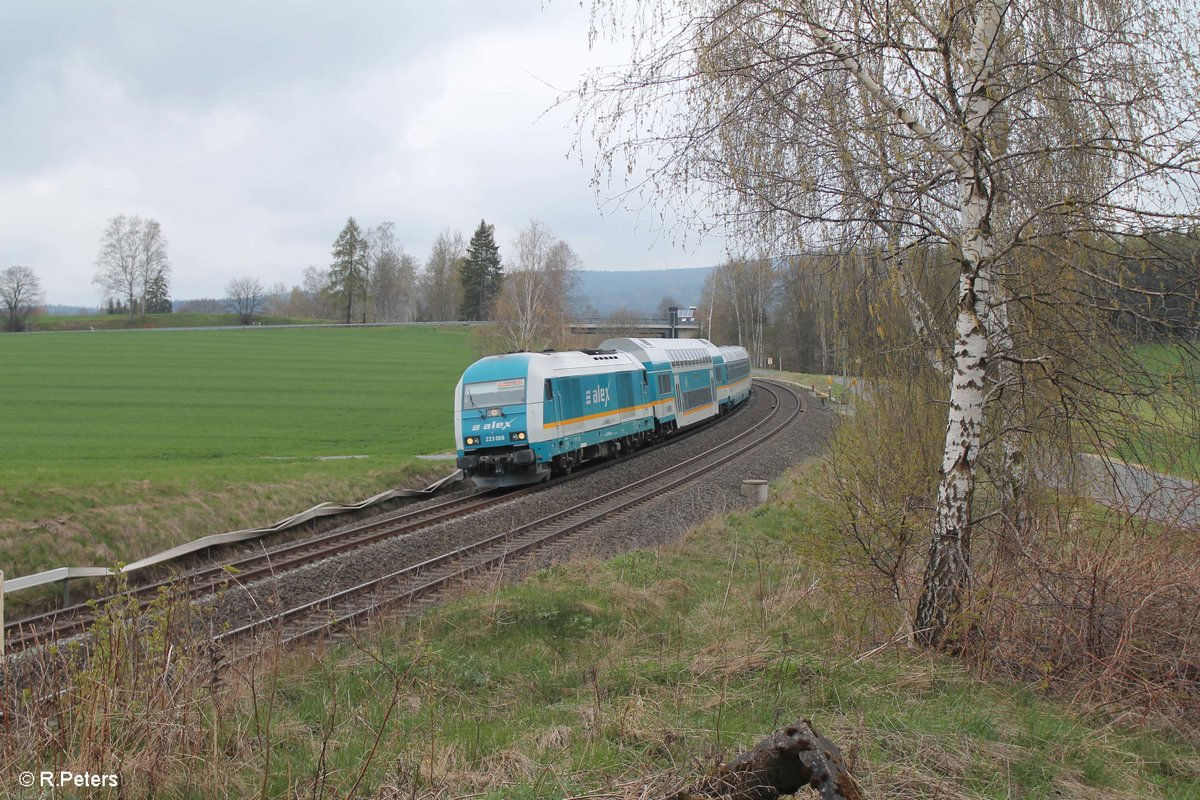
(948, 571)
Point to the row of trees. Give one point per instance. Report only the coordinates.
(818, 312)
(372, 279)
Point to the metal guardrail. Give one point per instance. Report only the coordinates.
(322, 510)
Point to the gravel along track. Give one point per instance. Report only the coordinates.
(249, 563)
(648, 524)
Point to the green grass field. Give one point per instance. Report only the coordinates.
(105, 433)
(1165, 434)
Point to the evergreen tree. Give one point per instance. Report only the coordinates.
(481, 274)
(158, 301)
(347, 273)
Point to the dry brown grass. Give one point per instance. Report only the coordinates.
(1101, 608)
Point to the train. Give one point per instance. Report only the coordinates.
(521, 418)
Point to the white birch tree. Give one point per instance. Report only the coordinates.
(133, 256)
(153, 264)
(741, 291)
(392, 276)
(533, 308)
(440, 287)
(997, 128)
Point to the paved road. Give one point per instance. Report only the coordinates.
(1164, 498)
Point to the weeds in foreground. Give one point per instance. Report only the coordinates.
(618, 679)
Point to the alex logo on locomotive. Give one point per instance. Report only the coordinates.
(495, 425)
(598, 396)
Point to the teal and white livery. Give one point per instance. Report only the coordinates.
(521, 417)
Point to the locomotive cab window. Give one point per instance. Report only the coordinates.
(549, 390)
(489, 394)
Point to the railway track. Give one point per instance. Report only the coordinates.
(60, 624)
(424, 581)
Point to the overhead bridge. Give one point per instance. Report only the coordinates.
(650, 326)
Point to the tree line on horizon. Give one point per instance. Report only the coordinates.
(372, 279)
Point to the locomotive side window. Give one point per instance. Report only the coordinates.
(549, 390)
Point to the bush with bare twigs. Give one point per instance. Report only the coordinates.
(1097, 606)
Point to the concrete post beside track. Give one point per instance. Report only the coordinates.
(755, 491)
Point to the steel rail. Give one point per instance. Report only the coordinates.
(60, 623)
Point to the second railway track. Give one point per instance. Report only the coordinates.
(59, 624)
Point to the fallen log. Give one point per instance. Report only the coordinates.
(782, 764)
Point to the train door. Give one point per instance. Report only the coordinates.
(555, 399)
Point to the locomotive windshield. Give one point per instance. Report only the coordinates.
(489, 394)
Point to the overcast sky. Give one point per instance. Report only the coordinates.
(252, 130)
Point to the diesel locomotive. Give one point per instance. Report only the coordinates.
(521, 417)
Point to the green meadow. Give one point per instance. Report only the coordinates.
(1165, 434)
(109, 435)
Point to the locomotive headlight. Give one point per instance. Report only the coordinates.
(472, 440)
(519, 436)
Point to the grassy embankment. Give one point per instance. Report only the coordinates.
(598, 679)
(828, 385)
(118, 445)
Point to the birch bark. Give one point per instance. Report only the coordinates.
(947, 573)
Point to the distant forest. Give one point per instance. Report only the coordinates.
(604, 292)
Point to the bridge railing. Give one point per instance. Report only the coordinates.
(630, 322)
